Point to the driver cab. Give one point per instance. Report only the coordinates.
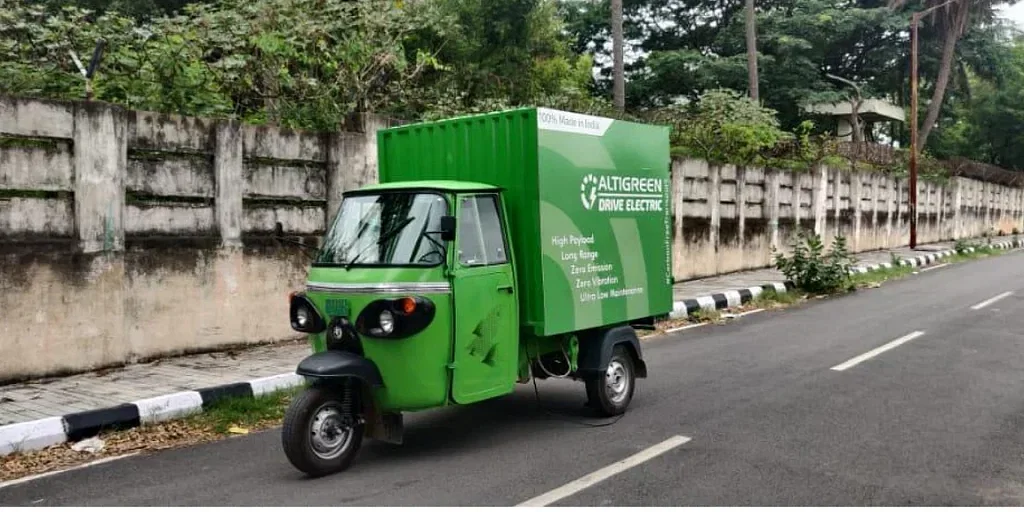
(405, 240)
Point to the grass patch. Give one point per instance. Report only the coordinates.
(876, 277)
(225, 418)
(771, 298)
(245, 413)
(706, 316)
(979, 252)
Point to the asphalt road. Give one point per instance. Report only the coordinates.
(780, 408)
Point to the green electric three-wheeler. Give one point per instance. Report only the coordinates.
(495, 248)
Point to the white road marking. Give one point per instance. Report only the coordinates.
(868, 355)
(685, 327)
(65, 470)
(751, 312)
(991, 301)
(604, 473)
(929, 269)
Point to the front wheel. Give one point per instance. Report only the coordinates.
(318, 435)
(612, 392)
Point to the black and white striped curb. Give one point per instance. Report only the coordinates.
(725, 300)
(734, 298)
(934, 257)
(46, 432)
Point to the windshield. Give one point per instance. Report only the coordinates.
(388, 229)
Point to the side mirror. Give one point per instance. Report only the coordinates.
(448, 228)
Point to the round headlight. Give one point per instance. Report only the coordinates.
(387, 322)
(302, 316)
(338, 332)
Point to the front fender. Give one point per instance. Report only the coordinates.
(335, 364)
(596, 349)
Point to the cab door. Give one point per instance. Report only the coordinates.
(486, 340)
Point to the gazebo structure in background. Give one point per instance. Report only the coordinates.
(870, 113)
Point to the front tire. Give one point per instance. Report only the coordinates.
(612, 392)
(318, 437)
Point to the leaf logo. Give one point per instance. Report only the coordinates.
(588, 191)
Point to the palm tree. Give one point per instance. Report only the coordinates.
(618, 73)
(951, 19)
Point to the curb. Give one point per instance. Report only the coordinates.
(733, 298)
(74, 427)
(46, 432)
(725, 300)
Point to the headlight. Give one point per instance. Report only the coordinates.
(302, 317)
(387, 322)
(395, 318)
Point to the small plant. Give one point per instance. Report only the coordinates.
(895, 260)
(961, 246)
(1016, 231)
(813, 270)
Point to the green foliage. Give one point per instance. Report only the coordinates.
(988, 125)
(272, 61)
(962, 246)
(812, 269)
(723, 127)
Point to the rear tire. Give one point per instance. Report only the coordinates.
(612, 392)
(317, 438)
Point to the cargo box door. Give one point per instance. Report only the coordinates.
(486, 315)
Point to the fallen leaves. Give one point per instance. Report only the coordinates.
(144, 439)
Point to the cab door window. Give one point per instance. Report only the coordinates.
(481, 237)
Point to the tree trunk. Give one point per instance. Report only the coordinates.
(619, 73)
(752, 51)
(945, 69)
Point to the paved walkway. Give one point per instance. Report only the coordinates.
(47, 398)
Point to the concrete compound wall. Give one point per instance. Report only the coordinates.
(131, 235)
(728, 219)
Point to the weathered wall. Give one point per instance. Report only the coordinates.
(728, 219)
(130, 235)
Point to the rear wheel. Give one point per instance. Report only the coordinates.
(612, 391)
(320, 435)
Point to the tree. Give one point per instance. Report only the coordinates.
(499, 54)
(138, 9)
(723, 126)
(619, 72)
(988, 126)
(951, 18)
(751, 33)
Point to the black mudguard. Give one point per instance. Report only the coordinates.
(596, 348)
(334, 364)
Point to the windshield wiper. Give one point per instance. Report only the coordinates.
(381, 240)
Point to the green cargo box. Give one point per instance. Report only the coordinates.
(588, 199)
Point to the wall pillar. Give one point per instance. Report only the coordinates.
(228, 168)
(715, 206)
(958, 201)
(819, 199)
(771, 198)
(100, 163)
(856, 203)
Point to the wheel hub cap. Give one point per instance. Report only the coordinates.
(329, 433)
(616, 381)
